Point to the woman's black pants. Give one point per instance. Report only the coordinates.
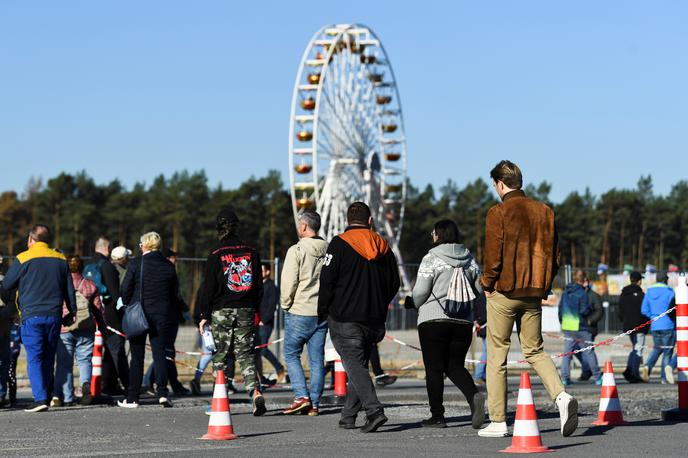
(444, 345)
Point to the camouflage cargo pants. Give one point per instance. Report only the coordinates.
(235, 328)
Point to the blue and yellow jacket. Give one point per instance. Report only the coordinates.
(574, 306)
(42, 278)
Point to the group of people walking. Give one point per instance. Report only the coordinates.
(342, 287)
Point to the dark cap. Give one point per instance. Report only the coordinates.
(168, 253)
(228, 214)
(636, 276)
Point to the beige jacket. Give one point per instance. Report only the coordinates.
(301, 276)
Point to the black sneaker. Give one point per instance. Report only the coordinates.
(86, 398)
(347, 424)
(373, 422)
(477, 410)
(195, 387)
(258, 404)
(37, 407)
(180, 390)
(585, 376)
(434, 422)
(385, 380)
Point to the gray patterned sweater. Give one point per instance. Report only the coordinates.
(434, 275)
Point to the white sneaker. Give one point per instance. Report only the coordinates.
(494, 429)
(163, 401)
(127, 405)
(669, 374)
(568, 413)
(644, 374)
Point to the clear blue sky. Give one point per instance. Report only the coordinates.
(583, 93)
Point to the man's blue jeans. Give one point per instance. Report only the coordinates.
(299, 331)
(71, 343)
(575, 340)
(5, 356)
(480, 368)
(662, 343)
(40, 335)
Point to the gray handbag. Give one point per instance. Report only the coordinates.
(134, 322)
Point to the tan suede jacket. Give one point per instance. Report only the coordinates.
(521, 247)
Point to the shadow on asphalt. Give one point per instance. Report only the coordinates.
(602, 430)
(559, 447)
(246, 436)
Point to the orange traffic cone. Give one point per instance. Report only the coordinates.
(339, 379)
(526, 432)
(610, 408)
(220, 423)
(96, 364)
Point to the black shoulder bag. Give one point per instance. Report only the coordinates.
(134, 322)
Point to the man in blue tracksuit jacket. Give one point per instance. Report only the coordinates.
(658, 299)
(42, 278)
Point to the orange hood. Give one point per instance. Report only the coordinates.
(366, 242)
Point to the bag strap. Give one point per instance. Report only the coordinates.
(141, 282)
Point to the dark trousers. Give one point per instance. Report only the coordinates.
(172, 374)
(160, 332)
(115, 364)
(354, 343)
(444, 346)
(375, 362)
(262, 337)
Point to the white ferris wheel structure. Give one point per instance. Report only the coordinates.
(346, 133)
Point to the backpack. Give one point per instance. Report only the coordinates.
(94, 272)
(83, 320)
(570, 306)
(461, 297)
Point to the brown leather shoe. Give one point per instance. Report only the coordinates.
(300, 405)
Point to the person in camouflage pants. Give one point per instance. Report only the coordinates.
(235, 326)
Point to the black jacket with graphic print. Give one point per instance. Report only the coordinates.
(232, 278)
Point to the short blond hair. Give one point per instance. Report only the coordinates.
(151, 241)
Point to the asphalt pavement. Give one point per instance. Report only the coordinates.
(104, 430)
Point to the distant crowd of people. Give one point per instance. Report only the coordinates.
(53, 305)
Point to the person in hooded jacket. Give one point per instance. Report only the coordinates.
(445, 340)
(658, 299)
(359, 279)
(299, 300)
(630, 302)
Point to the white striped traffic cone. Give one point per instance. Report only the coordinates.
(220, 424)
(526, 432)
(339, 379)
(610, 413)
(681, 413)
(96, 364)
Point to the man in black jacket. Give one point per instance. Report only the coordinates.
(115, 363)
(359, 279)
(629, 313)
(233, 292)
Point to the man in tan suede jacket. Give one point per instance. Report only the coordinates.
(521, 259)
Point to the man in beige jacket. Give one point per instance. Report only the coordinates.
(299, 299)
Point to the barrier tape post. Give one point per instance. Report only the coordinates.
(681, 413)
(97, 364)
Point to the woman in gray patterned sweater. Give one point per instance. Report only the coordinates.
(445, 340)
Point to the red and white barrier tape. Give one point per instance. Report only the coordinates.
(609, 341)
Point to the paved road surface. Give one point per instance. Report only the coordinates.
(154, 431)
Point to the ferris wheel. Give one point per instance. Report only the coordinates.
(346, 133)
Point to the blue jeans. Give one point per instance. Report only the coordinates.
(299, 331)
(480, 368)
(572, 343)
(635, 357)
(666, 339)
(71, 343)
(41, 335)
(5, 356)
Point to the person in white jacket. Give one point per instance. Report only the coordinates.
(299, 300)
